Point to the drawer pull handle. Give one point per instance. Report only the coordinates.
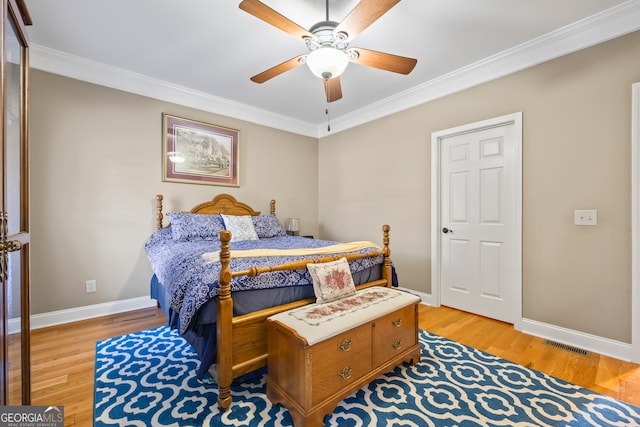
(345, 345)
(396, 322)
(397, 344)
(345, 374)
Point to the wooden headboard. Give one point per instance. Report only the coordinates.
(221, 204)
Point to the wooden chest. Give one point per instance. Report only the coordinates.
(310, 373)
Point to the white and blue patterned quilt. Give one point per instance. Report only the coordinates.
(191, 281)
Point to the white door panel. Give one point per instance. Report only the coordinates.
(459, 268)
(477, 217)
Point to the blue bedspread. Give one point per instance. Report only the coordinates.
(191, 282)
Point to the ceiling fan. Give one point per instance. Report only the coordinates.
(328, 44)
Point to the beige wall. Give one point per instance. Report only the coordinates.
(576, 155)
(96, 168)
(95, 171)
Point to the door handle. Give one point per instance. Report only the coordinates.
(7, 245)
(10, 246)
(446, 230)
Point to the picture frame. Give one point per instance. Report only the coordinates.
(195, 152)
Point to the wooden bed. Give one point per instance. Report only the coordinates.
(241, 340)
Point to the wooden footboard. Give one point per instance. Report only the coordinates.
(242, 340)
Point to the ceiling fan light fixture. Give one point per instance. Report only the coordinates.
(327, 62)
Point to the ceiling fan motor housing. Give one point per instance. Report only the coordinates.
(326, 37)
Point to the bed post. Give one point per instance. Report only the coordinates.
(386, 266)
(273, 207)
(159, 215)
(223, 324)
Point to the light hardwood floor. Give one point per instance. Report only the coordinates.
(62, 360)
(600, 373)
(63, 356)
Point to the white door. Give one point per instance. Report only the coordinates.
(479, 247)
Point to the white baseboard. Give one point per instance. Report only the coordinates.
(426, 298)
(59, 317)
(594, 343)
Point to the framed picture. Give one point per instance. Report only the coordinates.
(199, 153)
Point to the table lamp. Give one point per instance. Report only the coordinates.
(293, 226)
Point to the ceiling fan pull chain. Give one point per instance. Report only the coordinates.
(327, 89)
(326, 111)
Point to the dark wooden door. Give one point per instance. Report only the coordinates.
(15, 384)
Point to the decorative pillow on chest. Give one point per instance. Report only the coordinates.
(331, 280)
(240, 226)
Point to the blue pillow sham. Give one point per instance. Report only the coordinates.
(193, 227)
(187, 227)
(267, 226)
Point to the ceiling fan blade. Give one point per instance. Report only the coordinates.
(333, 89)
(278, 69)
(364, 14)
(384, 61)
(270, 16)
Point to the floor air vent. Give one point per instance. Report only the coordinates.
(570, 348)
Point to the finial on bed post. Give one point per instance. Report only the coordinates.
(273, 207)
(159, 215)
(386, 267)
(224, 333)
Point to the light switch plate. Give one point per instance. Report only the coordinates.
(585, 217)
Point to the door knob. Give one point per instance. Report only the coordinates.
(446, 230)
(10, 246)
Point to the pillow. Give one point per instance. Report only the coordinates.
(190, 227)
(331, 280)
(267, 226)
(240, 226)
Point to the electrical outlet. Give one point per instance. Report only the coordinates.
(585, 217)
(90, 286)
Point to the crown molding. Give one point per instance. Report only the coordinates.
(75, 67)
(611, 23)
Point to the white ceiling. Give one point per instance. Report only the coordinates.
(202, 52)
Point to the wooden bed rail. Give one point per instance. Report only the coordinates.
(230, 364)
(255, 271)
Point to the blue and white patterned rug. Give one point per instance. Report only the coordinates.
(148, 379)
